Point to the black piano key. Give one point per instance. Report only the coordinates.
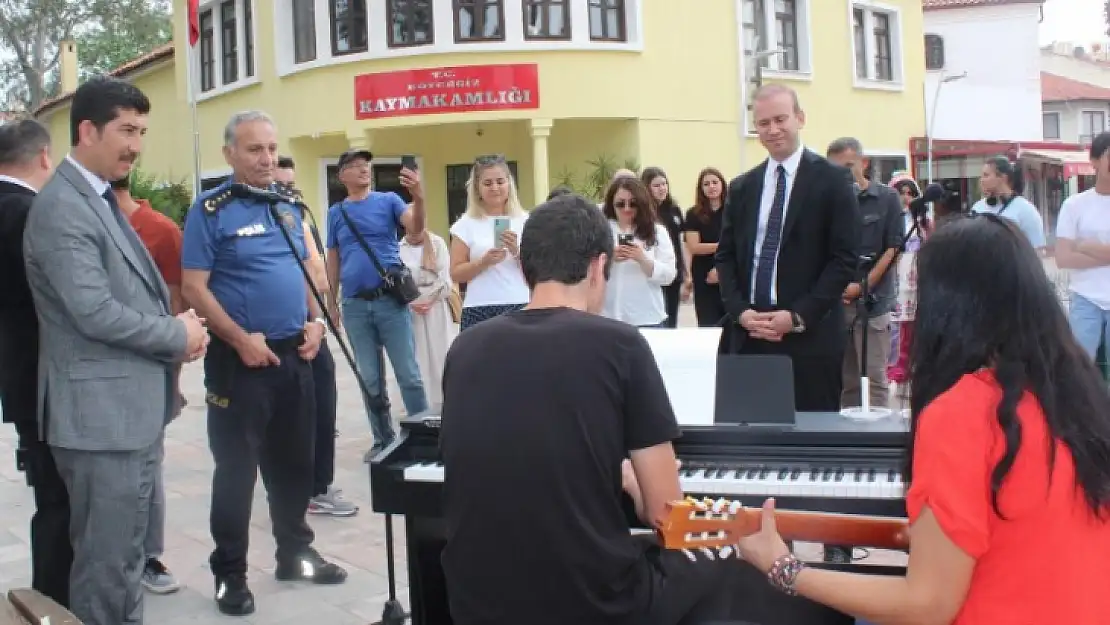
(857, 475)
(871, 475)
(826, 474)
(795, 473)
(783, 472)
(763, 472)
(838, 474)
(813, 474)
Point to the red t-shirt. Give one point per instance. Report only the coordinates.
(162, 239)
(1049, 560)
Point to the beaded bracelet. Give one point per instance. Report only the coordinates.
(784, 572)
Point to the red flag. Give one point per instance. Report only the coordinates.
(192, 6)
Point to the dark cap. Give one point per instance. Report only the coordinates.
(350, 155)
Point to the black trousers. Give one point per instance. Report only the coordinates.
(672, 296)
(51, 551)
(686, 592)
(708, 305)
(259, 421)
(326, 393)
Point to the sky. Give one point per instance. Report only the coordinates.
(1077, 21)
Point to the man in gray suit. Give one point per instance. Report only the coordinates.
(108, 349)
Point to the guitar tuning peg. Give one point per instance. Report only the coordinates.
(734, 507)
(701, 505)
(725, 552)
(689, 554)
(719, 505)
(708, 553)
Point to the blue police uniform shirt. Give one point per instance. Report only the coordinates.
(252, 275)
(376, 218)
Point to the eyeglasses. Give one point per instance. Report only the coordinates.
(490, 159)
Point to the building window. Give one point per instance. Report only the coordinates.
(1051, 124)
(229, 42)
(875, 44)
(304, 31)
(248, 38)
(410, 22)
(934, 52)
(1091, 123)
(546, 19)
(774, 25)
(479, 20)
(607, 20)
(348, 27)
(884, 167)
(207, 52)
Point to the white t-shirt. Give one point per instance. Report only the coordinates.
(633, 297)
(501, 284)
(1087, 216)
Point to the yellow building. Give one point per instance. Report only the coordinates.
(551, 84)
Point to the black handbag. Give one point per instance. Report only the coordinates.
(397, 280)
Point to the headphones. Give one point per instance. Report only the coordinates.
(1010, 170)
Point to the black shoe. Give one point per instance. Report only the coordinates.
(310, 567)
(232, 595)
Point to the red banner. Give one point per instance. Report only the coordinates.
(447, 90)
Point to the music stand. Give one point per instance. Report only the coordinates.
(755, 389)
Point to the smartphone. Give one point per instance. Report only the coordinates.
(408, 161)
(500, 225)
(624, 239)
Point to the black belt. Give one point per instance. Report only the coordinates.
(370, 295)
(287, 344)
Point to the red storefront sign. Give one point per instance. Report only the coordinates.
(447, 90)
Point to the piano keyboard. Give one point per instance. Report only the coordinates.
(855, 483)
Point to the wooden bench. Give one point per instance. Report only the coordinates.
(26, 606)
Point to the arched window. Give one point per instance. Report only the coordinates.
(934, 52)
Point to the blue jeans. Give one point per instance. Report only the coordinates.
(371, 326)
(1088, 323)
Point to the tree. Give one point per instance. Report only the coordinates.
(30, 31)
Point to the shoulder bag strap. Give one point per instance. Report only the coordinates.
(361, 241)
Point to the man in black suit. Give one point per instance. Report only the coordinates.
(25, 166)
(789, 236)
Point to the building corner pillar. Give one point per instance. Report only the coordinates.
(541, 174)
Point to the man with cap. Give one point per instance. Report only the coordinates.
(240, 270)
(362, 235)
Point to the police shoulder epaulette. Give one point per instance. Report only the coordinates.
(217, 201)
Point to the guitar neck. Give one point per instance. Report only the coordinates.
(841, 529)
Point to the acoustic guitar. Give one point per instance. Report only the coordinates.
(707, 524)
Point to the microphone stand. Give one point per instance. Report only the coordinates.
(862, 316)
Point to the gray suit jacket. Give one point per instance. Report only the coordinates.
(108, 343)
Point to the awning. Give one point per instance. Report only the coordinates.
(1074, 162)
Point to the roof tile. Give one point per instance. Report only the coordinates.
(1059, 89)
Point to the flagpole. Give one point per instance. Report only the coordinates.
(190, 90)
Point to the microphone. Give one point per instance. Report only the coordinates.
(934, 192)
(245, 191)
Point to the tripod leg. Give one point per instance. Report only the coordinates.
(393, 613)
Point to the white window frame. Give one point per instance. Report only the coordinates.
(1082, 128)
(1059, 125)
(220, 87)
(322, 178)
(888, 154)
(897, 45)
(774, 68)
(443, 25)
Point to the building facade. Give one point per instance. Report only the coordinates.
(562, 88)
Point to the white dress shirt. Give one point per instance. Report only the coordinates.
(17, 182)
(96, 182)
(766, 201)
(636, 298)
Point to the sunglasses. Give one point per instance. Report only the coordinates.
(629, 204)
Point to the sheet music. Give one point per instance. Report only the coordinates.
(687, 359)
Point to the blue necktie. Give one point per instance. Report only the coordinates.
(765, 272)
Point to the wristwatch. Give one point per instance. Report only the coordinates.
(323, 322)
(799, 323)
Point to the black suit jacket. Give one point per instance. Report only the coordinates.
(817, 253)
(19, 332)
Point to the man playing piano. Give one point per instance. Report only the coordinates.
(541, 409)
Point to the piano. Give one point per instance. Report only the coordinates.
(823, 462)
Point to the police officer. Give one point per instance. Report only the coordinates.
(240, 274)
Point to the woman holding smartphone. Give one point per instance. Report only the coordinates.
(485, 244)
(643, 259)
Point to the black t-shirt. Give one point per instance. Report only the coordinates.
(540, 407)
(670, 215)
(710, 232)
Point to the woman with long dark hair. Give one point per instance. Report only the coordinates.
(703, 232)
(1009, 453)
(1003, 183)
(670, 215)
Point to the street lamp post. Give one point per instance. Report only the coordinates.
(933, 119)
(754, 59)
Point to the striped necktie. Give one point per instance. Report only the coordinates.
(769, 253)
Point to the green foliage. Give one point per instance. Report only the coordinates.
(593, 182)
(171, 199)
(114, 31)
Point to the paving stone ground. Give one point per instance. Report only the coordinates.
(356, 542)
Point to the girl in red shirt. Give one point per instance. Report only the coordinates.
(1009, 472)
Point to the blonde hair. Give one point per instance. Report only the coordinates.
(428, 258)
(474, 206)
